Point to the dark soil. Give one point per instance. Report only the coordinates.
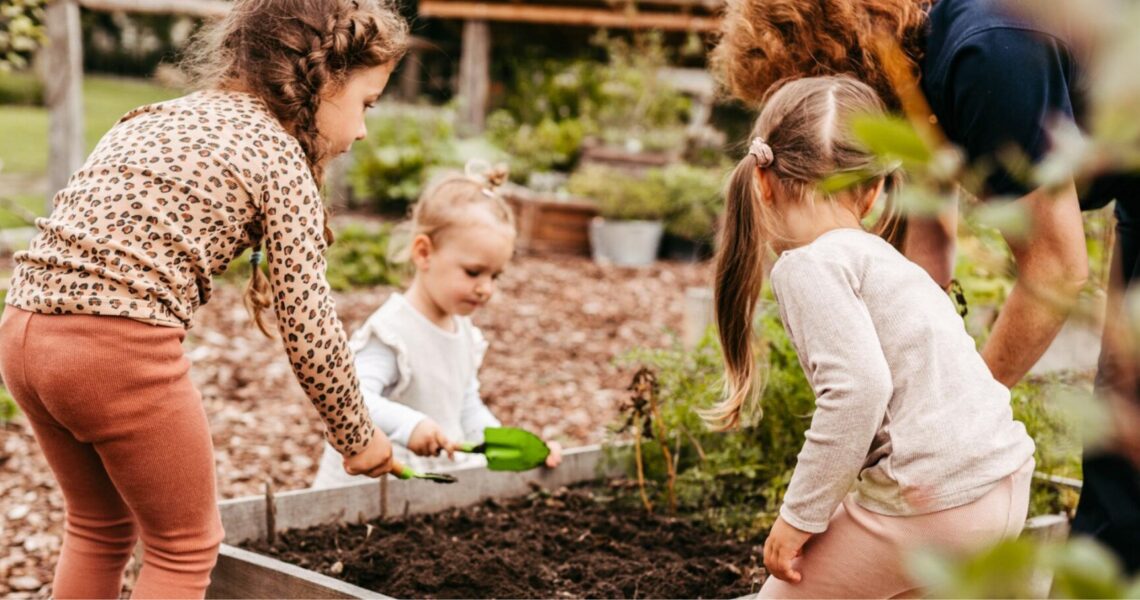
(577, 543)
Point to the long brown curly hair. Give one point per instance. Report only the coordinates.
(291, 54)
(763, 42)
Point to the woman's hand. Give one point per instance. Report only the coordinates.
(555, 457)
(784, 543)
(374, 460)
(427, 439)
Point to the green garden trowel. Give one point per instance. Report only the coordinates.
(402, 471)
(509, 449)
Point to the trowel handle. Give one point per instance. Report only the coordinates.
(472, 448)
(402, 471)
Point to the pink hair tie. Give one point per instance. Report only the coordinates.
(762, 151)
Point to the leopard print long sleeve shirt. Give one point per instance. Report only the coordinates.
(171, 195)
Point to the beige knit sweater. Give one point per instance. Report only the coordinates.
(907, 413)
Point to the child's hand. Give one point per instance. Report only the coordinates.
(374, 460)
(784, 543)
(427, 439)
(555, 457)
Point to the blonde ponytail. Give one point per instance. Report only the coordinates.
(739, 277)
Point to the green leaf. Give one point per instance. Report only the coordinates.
(919, 200)
(1008, 217)
(892, 138)
(837, 182)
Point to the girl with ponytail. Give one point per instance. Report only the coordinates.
(913, 441)
(90, 343)
(419, 354)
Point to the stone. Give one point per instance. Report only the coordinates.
(25, 583)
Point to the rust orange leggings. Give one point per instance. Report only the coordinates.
(112, 406)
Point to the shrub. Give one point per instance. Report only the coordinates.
(555, 105)
(1051, 409)
(619, 195)
(21, 32)
(548, 145)
(394, 162)
(693, 198)
(359, 258)
(736, 480)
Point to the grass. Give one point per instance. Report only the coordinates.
(24, 145)
(33, 203)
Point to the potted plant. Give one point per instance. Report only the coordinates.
(630, 224)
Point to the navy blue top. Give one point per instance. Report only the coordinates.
(995, 81)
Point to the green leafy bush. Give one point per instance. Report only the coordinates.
(688, 199)
(544, 89)
(634, 97)
(619, 195)
(555, 105)
(393, 163)
(693, 198)
(736, 480)
(21, 32)
(548, 145)
(1051, 409)
(359, 258)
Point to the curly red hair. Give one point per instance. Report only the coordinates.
(763, 42)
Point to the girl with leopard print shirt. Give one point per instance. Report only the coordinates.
(90, 342)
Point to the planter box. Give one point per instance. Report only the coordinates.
(550, 225)
(243, 574)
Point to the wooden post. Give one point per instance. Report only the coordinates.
(270, 513)
(209, 9)
(63, 86)
(411, 72)
(474, 75)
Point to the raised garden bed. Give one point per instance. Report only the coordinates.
(547, 542)
(569, 543)
(419, 539)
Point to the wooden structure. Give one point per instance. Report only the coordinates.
(243, 574)
(474, 74)
(550, 225)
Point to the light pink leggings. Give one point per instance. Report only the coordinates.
(862, 554)
(124, 430)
